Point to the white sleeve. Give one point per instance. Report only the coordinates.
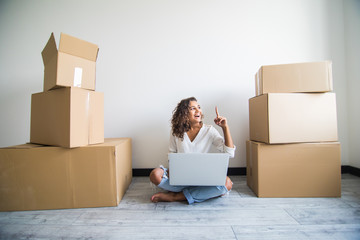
(172, 144)
(219, 143)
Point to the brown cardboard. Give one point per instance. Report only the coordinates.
(67, 117)
(34, 177)
(296, 77)
(73, 65)
(294, 170)
(293, 117)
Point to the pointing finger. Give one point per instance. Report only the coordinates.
(217, 112)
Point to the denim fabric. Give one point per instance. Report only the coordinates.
(165, 183)
(192, 193)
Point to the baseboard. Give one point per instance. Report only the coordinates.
(141, 172)
(350, 169)
(144, 172)
(237, 171)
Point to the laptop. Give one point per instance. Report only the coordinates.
(198, 169)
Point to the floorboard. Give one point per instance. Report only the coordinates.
(238, 215)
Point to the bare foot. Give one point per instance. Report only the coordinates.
(168, 197)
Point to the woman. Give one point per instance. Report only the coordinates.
(190, 134)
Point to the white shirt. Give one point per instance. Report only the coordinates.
(207, 140)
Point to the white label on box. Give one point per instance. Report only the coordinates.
(77, 77)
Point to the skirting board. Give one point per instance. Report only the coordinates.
(143, 172)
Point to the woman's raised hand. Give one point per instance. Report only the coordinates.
(220, 120)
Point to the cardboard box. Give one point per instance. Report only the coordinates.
(73, 65)
(293, 117)
(297, 77)
(34, 177)
(67, 117)
(294, 170)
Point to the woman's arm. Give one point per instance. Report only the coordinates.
(222, 122)
(227, 137)
(172, 144)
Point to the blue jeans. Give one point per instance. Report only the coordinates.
(192, 193)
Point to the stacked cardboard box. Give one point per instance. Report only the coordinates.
(69, 113)
(37, 177)
(293, 149)
(74, 166)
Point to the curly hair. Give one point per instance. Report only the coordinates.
(180, 118)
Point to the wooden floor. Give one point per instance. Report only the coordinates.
(239, 215)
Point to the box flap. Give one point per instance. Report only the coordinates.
(302, 117)
(49, 50)
(78, 47)
(96, 117)
(50, 117)
(281, 169)
(259, 118)
(329, 68)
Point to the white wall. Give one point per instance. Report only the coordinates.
(352, 39)
(154, 53)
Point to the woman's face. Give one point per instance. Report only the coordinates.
(195, 113)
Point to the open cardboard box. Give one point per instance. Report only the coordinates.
(72, 65)
(34, 177)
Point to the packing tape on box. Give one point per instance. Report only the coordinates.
(257, 84)
(88, 116)
(250, 160)
(77, 77)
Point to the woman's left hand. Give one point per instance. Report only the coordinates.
(220, 120)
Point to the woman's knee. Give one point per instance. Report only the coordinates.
(156, 175)
(228, 184)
